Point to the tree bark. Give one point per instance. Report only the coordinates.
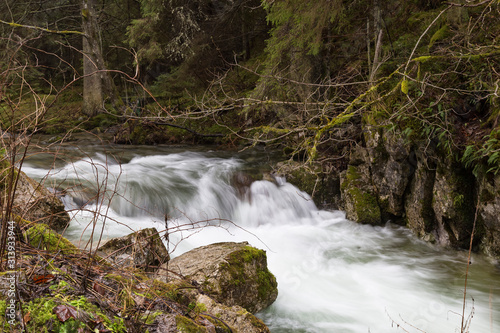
(96, 82)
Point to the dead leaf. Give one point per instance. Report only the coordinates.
(100, 290)
(65, 312)
(27, 317)
(38, 279)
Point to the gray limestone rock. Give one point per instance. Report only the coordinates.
(230, 273)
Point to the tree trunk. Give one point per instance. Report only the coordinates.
(96, 80)
(378, 32)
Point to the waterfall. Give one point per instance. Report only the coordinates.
(333, 275)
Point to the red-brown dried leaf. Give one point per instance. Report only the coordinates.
(100, 290)
(65, 312)
(38, 279)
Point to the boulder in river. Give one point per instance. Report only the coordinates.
(143, 249)
(230, 273)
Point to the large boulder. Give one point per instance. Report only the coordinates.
(141, 249)
(33, 202)
(230, 273)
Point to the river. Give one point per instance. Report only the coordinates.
(333, 275)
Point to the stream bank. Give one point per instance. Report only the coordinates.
(389, 179)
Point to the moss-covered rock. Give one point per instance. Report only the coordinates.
(360, 201)
(390, 161)
(231, 273)
(42, 237)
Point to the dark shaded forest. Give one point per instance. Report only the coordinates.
(307, 76)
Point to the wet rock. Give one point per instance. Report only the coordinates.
(142, 249)
(230, 273)
(33, 202)
(322, 185)
(242, 182)
(360, 201)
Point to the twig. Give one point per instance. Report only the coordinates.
(462, 328)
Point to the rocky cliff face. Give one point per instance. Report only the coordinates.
(387, 179)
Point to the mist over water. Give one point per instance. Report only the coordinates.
(333, 275)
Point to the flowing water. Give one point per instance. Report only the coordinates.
(333, 275)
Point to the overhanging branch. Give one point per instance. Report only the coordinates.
(61, 32)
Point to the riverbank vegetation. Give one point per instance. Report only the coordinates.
(307, 77)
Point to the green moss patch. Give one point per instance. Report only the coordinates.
(365, 204)
(42, 237)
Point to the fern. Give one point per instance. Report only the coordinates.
(468, 156)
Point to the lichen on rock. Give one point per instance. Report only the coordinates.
(230, 273)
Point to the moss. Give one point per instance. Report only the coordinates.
(117, 278)
(42, 318)
(439, 35)
(172, 290)
(248, 254)
(150, 317)
(219, 324)
(187, 325)
(264, 279)
(102, 120)
(62, 287)
(365, 204)
(366, 207)
(42, 237)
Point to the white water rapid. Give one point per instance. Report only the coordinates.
(333, 275)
